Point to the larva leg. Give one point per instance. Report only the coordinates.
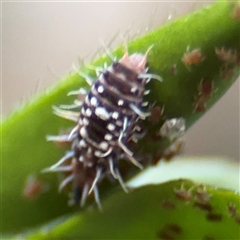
(128, 153)
(97, 177)
(73, 116)
(120, 139)
(60, 138)
(141, 114)
(65, 182)
(84, 194)
(60, 169)
(112, 168)
(61, 161)
(107, 51)
(120, 180)
(97, 199)
(150, 76)
(73, 132)
(134, 161)
(76, 104)
(79, 92)
(88, 79)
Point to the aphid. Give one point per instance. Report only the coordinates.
(193, 57)
(167, 204)
(237, 219)
(173, 128)
(205, 88)
(175, 149)
(232, 209)
(173, 69)
(183, 194)
(33, 187)
(156, 114)
(215, 217)
(199, 104)
(107, 123)
(204, 93)
(203, 206)
(202, 196)
(170, 231)
(226, 56)
(226, 72)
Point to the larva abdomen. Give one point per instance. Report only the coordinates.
(108, 118)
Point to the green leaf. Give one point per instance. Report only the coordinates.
(220, 172)
(174, 210)
(25, 151)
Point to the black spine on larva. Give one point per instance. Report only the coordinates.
(107, 123)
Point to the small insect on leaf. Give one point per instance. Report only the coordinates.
(156, 114)
(232, 209)
(106, 124)
(183, 194)
(173, 128)
(192, 57)
(34, 187)
(204, 93)
(226, 56)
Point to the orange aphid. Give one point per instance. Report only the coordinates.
(204, 92)
(193, 57)
(226, 56)
(33, 187)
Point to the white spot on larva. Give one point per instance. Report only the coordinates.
(146, 92)
(120, 102)
(83, 111)
(144, 104)
(97, 153)
(133, 89)
(119, 123)
(88, 112)
(134, 139)
(110, 126)
(100, 89)
(85, 121)
(103, 145)
(108, 137)
(115, 115)
(82, 143)
(94, 101)
(137, 128)
(90, 164)
(83, 132)
(89, 151)
(81, 158)
(116, 134)
(102, 113)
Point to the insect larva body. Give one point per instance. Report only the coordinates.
(107, 123)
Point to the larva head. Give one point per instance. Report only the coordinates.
(136, 62)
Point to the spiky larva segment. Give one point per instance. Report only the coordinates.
(109, 116)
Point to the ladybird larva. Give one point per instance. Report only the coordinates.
(108, 121)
